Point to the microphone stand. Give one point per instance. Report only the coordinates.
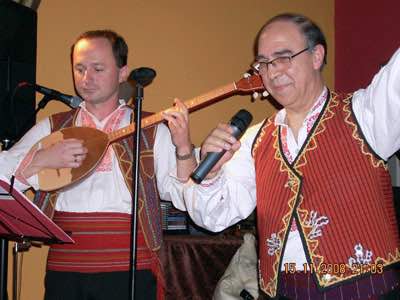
(5, 145)
(141, 77)
(135, 177)
(3, 268)
(42, 103)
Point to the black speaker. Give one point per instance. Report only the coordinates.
(18, 29)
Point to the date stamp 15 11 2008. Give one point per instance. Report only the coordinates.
(336, 269)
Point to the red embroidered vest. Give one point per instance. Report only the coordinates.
(149, 203)
(337, 191)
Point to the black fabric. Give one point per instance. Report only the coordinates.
(98, 286)
(396, 199)
(18, 31)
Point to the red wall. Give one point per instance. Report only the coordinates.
(366, 34)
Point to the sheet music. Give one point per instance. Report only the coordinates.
(4, 193)
(21, 217)
(5, 196)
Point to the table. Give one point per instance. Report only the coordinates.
(193, 265)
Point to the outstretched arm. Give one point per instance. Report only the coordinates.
(377, 109)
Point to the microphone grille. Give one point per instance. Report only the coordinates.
(75, 101)
(242, 120)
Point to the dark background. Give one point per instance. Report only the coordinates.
(18, 25)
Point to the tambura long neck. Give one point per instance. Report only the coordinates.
(192, 105)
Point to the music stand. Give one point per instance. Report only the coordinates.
(22, 221)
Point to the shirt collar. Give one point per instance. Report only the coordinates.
(122, 105)
(316, 108)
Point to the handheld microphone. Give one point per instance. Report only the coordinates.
(72, 101)
(239, 123)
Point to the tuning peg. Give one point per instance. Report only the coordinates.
(246, 75)
(255, 95)
(265, 94)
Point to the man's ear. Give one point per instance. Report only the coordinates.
(318, 56)
(123, 74)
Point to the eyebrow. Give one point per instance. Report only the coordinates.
(275, 54)
(96, 64)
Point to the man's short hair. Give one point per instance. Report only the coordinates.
(118, 44)
(311, 31)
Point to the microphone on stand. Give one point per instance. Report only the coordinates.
(72, 101)
(142, 75)
(239, 123)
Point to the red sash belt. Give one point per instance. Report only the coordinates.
(102, 244)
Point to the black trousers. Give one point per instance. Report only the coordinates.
(99, 286)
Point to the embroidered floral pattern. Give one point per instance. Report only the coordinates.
(361, 256)
(285, 146)
(309, 121)
(315, 111)
(293, 227)
(19, 173)
(112, 124)
(316, 223)
(273, 244)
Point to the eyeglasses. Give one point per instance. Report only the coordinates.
(281, 62)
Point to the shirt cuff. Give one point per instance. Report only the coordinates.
(19, 173)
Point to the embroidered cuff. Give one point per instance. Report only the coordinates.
(19, 173)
